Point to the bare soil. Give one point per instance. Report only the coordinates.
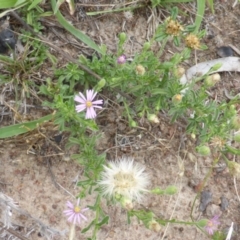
(43, 178)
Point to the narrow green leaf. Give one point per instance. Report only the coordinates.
(33, 4)
(200, 13)
(81, 36)
(177, 1)
(104, 221)
(7, 3)
(233, 150)
(15, 130)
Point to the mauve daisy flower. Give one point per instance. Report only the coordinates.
(88, 103)
(121, 59)
(75, 213)
(212, 225)
(125, 178)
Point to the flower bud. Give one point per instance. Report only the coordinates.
(126, 203)
(154, 225)
(193, 136)
(133, 123)
(234, 168)
(121, 59)
(100, 85)
(153, 118)
(210, 81)
(122, 37)
(179, 72)
(146, 46)
(203, 150)
(202, 223)
(140, 70)
(235, 122)
(176, 99)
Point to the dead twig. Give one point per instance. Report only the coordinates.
(13, 232)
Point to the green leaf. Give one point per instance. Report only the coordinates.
(15, 130)
(233, 150)
(34, 4)
(104, 221)
(200, 12)
(7, 3)
(88, 227)
(159, 91)
(81, 36)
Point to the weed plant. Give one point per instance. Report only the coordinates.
(145, 85)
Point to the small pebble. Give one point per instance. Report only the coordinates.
(224, 203)
(224, 51)
(206, 198)
(7, 40)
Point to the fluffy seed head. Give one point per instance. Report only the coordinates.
(126, 178)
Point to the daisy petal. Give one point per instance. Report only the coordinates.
(79, 99)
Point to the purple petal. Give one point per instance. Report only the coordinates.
(69, 204)
(71, 218)
(96, 106)
(84, 209)
(79, 99)
(82, 96)
(89, 94)
(68, 212)
(80, 107)
(90, 113)
(78, 218)
(97, 102)
(83, 217)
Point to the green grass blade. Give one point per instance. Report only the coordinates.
(211, 5)
(177, 1)
(200, 13)
(7, 3)
(15, 130)
(81, 36)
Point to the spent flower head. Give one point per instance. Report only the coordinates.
(121, 59)
(74, 213)
(234, 168)
(88, 103)
(173, 27)
(192, 41)
(140, 70)
(212, 225)
(125, 178)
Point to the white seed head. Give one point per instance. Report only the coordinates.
(126, 178)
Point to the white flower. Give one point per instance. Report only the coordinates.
(126, 178)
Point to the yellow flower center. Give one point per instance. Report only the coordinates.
(88, 104)
(210, 224)
(77, 209)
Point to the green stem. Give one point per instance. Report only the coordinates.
(97, 203)
(159, 54)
